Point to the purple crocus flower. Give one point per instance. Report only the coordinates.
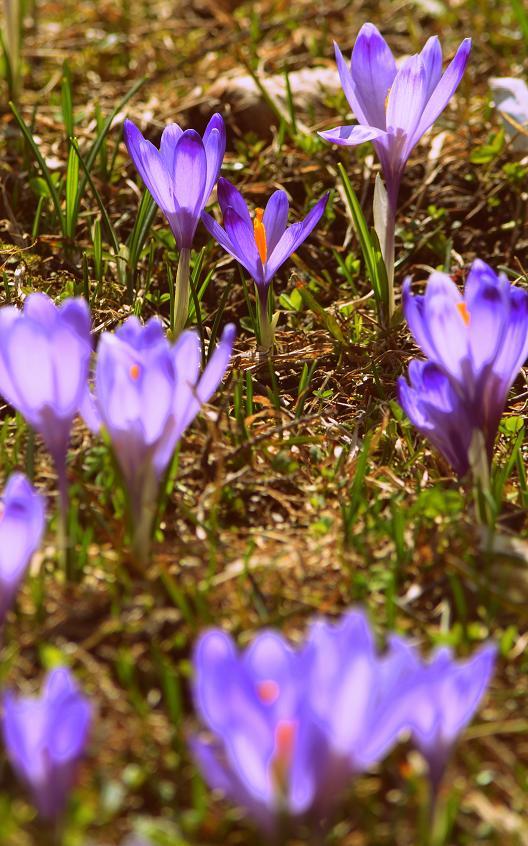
(443, 699)
(44, 357)
(180, 176)
(462, 388)
(262, 244)
(394, 108)
(268, 752)
(147, 392)
(45, 738)
(21, 528)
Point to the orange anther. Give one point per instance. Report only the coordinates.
(282, 759)
(134, 372)
(464, 313)
(260, 235)
(268, 691)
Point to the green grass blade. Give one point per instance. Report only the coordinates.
(98, 198)
(72, 192)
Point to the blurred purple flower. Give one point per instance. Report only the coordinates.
(182, 173)
(263, 244)
(147, 392)
(22, 523)
(476, 345)
(444, 698)
(394, 107)
(45, 738)
(44, 357)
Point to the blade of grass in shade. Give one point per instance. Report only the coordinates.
(350, 508)
(370, 248)
(136, 240)
(67, 101)
(98, 198)
(324, 317)
(217, 322)
(290, 102)
(41, 163)
(304, 387)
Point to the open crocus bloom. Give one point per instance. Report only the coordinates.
(264, 243)
(21, 529)
(444, 698)
(147, 392)
(45, 738)
(394, 107)
(44, 358)
(475, 344)
(182, 173)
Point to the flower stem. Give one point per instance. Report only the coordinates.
(265, 326)
(181, 293)
(63, 540)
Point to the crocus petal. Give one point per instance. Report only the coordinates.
(488, 321)
(294, 237)
(30, 362)
(373, 71)
(212, 375)
(218, 233)
(150, 166)
(40, 308)
(189, 183)
(243, 240)
(275, 218)
(350, 136)
(214, 141)
(445, 89)
(413, 311)
(169, 139)
(431, 56)
(405, 105)
(349, 87)
(230, 197)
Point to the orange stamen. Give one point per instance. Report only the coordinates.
(260, 235)
(282, 759)
(268, 691)
(134, 372)
(464, 313)
(387, 98)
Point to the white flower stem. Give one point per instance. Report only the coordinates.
(181, 293)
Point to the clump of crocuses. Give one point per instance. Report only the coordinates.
(394, 109)
(44, 358)
(475, 345)
(22, 523)
(45, 738)
(290, 727)
(180, 176)
(261, 244)
(147, 392)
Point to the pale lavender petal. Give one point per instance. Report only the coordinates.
(169, 139)
(350, 136)
(230, 197)
(406, 102)
(431, 56)
(212, 375)
(218, 233)
(294, 237)
(445, 89)
(214, 141)
(373, 71)
(189, 183)
(150, 166)
(349, 87)
(243, 240)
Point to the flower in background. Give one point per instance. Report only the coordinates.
(394, 108)
(45, 738)
(44, 358)
(147, 392)
(180, 176)
(511, 99)
(475, 344)
(445, 697)
(22, 523)
(261, 244)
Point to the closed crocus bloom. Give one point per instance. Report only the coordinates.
(261, 244)
(180, 176)
(476, 345)
(45, 738)
(356, 692)
(44, 357)
(147, 392)
(268, 752)
(21, 528)
(443, 699)
(394, 109)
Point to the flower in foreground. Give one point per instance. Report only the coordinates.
(44, 358)
(45, 738)
(21, 528)
(147, 392)
(261, 244)
(180, 176)
(475, 345)
(511, 98)
(394, 107)
(445, 697)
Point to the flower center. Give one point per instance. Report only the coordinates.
(464, 313)
(260, 235)
(268, 691)
(134, 372)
